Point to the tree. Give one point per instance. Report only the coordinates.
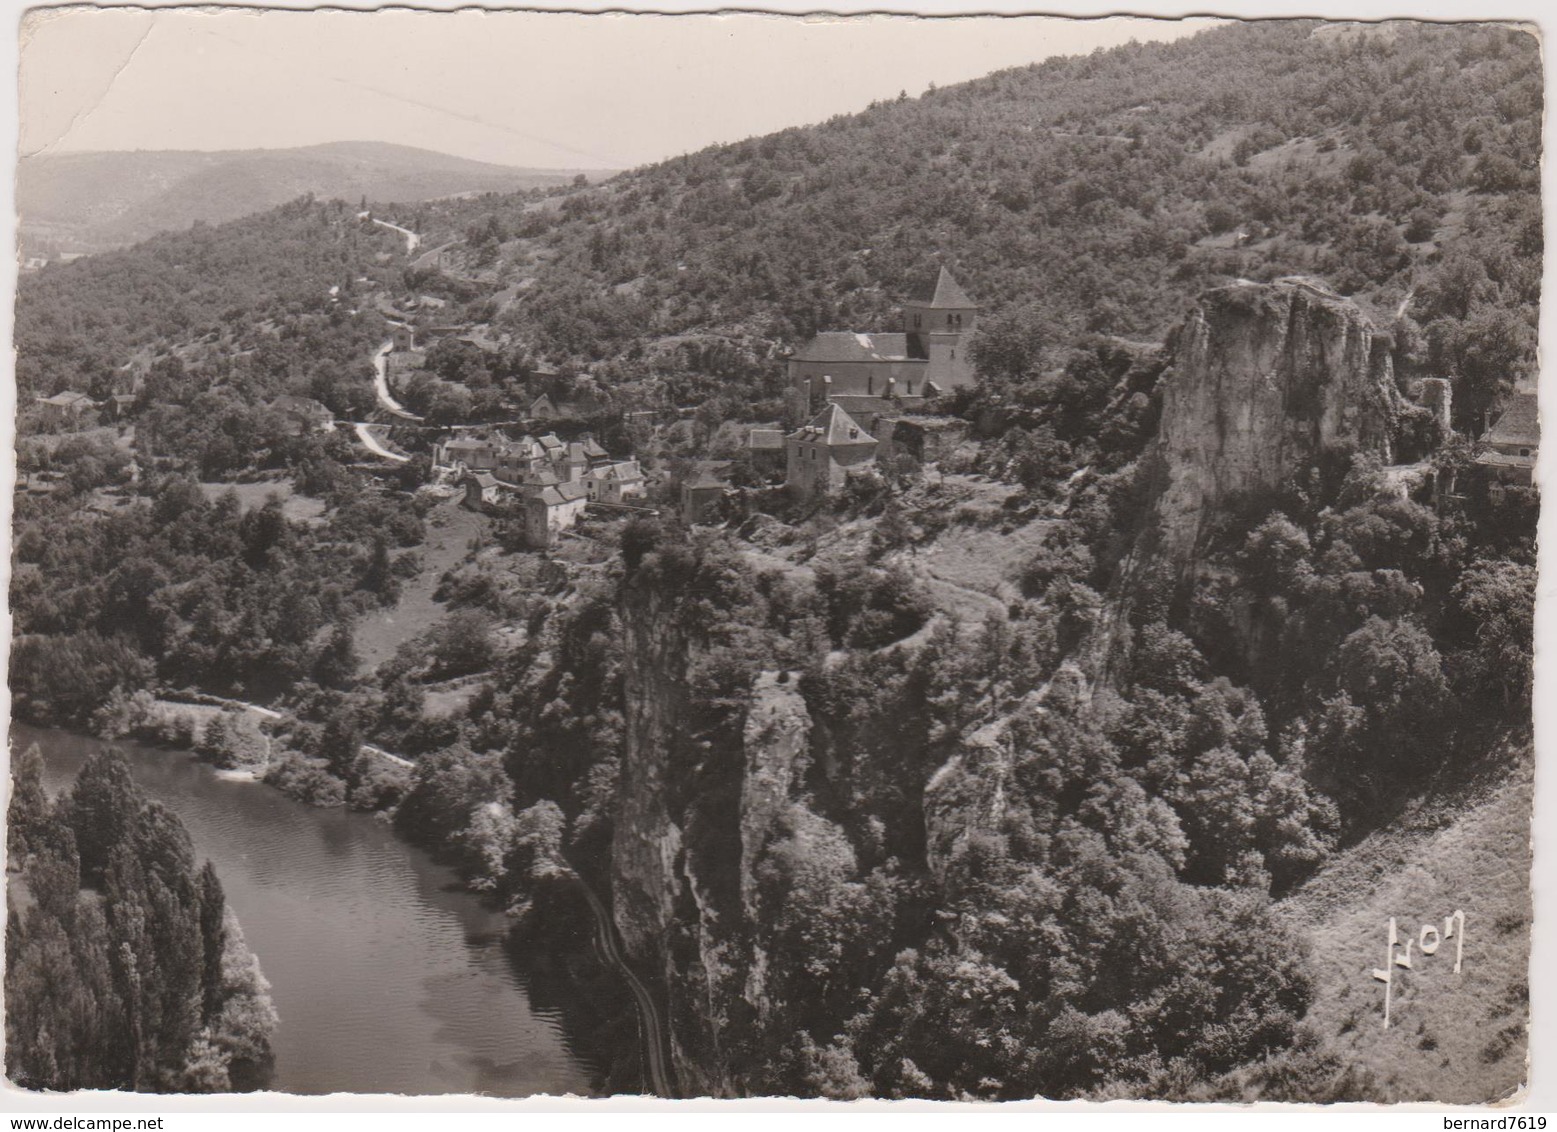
(217, 745)
(27, 816)
(1498, 598)
(213, 940)
(102, 806)
(462, 643)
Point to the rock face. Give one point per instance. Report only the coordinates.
(1268, 381)
(691, 825)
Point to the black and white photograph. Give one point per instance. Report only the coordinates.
(749, 555)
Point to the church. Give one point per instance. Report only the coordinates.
(930, 355)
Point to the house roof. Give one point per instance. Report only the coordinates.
(66, 399)
(484, 479)
(562, 493)
(833, 427)
(709, 474)
(765, 438)
(625, 470)
(1520, 423)
(290, 403)
(549, 442)
(846, 346)
(944, 292)
(1495, 459)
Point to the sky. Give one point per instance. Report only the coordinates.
(537, 89)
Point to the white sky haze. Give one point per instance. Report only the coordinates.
(516, 88)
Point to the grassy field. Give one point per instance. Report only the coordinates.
(298, 508)
(1452, 1038)
(450, 530)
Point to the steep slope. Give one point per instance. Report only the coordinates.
(1456, 1037)
(95, 201)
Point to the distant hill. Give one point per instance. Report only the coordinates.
(97, 201)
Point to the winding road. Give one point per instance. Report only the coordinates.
(652, 1029)
(411, 238)
(381, 384)
(372, 444)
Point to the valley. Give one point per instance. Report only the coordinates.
(1017, 622)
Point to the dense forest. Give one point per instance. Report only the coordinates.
(124, 967)
(1019, 825)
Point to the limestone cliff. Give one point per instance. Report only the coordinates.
(1268, 380)
(1269, 383)
(691, 824)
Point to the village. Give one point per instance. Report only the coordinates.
(864, 400)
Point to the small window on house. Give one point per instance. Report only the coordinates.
(917, 321)
(1524, 451)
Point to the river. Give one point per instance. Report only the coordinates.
(387, 977)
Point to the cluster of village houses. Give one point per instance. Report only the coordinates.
(864, 397)
(552, 481)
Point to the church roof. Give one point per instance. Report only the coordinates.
(863, 405)
(846, 346)
(1520, 423)
(944, 292)
(833, 427)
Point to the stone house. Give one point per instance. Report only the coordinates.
(820, 456)
(702, 491)
(463, 452)
(1513, 441)
(552, 510)
(65, 409)
(619, 481)
(765, 447)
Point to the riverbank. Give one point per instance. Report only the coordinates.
(89, 887)
(339, 908)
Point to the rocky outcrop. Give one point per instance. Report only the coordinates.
(691, 825)
(1267, 382)
(647, 841)
(1270, 383)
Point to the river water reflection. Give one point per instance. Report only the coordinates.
(387, 978)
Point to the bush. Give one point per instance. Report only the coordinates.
(306, 780)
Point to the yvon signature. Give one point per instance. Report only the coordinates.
(1427, 942)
